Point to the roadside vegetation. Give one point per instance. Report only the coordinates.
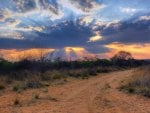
(27, 74)
(139, 83)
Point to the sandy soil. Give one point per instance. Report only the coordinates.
(98, 94)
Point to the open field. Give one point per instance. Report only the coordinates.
(98, 94)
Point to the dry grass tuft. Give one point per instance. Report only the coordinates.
(139, 83)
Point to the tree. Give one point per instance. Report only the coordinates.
(42, 53)
(122, 55)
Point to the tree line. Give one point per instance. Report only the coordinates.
(121, 59)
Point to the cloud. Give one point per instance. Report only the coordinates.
(2, 18)
(147, 18)
(72, 34)
(51, 5)
(90, 24)
(127, 32)
(25, 5)
(26, 8)
(95, 38)
(128, 10)
(88, 5)
(12, 34)
(5, 14)
(77, 33)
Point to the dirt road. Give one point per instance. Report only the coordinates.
(98, 94)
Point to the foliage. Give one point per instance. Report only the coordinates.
(122, 55)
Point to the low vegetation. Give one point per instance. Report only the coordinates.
(2, 87)
(139, 83)
(27, 74)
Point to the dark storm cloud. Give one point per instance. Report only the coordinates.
(16, 44)
(65, 34)
(96, 48)
(136, 31)
(73, 33)
(68, 33)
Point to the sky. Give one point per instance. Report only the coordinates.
(102, 27)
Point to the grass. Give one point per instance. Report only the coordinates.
(18, 87)
(139, 83)
(26, 79)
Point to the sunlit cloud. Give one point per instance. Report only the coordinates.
(95, 38)
(86, 20)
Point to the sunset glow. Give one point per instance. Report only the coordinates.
(139, 51)
(99, 27)
(15, 55)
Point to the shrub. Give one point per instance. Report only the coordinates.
(2, 87)
(33, 84)
(19, 87)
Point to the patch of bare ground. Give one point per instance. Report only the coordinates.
(99, 94)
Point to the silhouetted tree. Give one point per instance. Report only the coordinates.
(42, 54)
(122, 55)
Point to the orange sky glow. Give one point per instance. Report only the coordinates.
(139, 51)
(14, 54)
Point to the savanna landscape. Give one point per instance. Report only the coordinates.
(74, 56)
(119, 85)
